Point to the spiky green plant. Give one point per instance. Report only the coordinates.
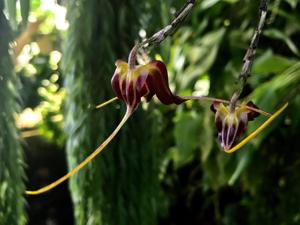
(121, 186)
(11, 158)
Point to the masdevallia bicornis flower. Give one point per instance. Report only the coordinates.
(132, 82)
(231, 124)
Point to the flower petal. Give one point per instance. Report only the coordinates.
(157, 82)
(258, 130)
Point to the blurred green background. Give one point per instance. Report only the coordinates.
(166, 166)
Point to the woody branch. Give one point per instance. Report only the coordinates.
(249, 56)
(163, 33)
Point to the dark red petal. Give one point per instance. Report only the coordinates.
(143, 88)
(235, 132)
(219, 123)
(228, 136)
(115, 83)
(123, 84)
(241, 129)
(133, 96)
(214, 106)
(141, 81)
(157, 82)
(251, 114)
(147, 93)
(231, 135)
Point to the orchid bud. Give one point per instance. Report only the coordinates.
(232, 124)
(130, 85)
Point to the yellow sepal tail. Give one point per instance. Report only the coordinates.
(106, 103)
(84, 162)
(258, 130)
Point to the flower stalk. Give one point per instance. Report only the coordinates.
(250, 54)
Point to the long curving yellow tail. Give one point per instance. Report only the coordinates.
(84, 162)
(258, 130)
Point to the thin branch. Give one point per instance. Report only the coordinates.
(249, 56)
(180, 16)
(163, 33)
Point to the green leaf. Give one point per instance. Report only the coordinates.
(242, 164)
(269, 96)
(271, 63)
(186, 132)
(35, 4)
(206, 138)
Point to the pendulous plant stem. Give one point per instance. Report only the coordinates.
(163, 33)
(249, 56)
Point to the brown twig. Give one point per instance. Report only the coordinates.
(249, 56)
(180, 16)
(163, 33)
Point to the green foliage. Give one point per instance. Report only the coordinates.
(43, 92)
(12, 203)
(121, 186)
(186, 132)
(213, 44)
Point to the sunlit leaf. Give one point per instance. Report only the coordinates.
(271, 63)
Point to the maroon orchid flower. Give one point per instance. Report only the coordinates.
(231, 124)
(131, 83)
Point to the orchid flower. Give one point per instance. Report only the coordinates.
(231, 124)
(130, 83)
